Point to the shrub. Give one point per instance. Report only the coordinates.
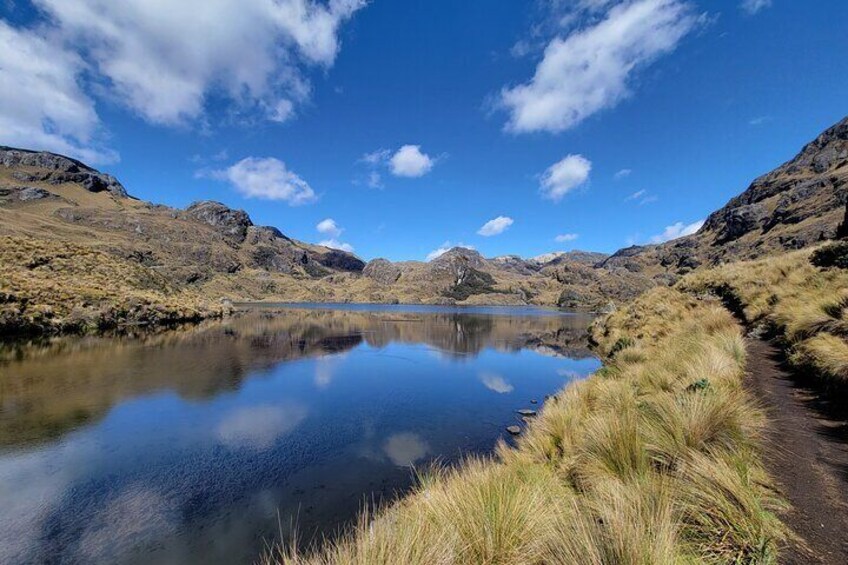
(834, 255)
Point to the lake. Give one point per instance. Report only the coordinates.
(205, 444)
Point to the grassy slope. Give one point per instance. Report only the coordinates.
(652, 460)
(805, 304)
(53, 286)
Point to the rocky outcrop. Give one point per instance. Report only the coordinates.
(383, 271)
(231, 223)
(516, 264)
(24, 193)
(582, 257)
(733, 222)
(41, 166)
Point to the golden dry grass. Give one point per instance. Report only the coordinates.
(52, 286)
(652, 460)
(807, 305)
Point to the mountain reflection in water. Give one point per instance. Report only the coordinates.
(195, 445)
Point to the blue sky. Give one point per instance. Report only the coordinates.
(413, 125)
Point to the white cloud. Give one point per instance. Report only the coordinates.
(444, 248)
(495, 227)
(267, 179)
(409, 161)
(754, 6)
(376, 157)
(676, 230)
(589, 70)
(566, 237)
(165, 59)
(375, 180)
(565, 175)
(623, 173)
(333, 243)
(42, 105)
(759, 120)
(495, 383)
(641, 197)
(329, 227)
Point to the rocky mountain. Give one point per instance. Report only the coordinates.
(798, 204)
(78, 250)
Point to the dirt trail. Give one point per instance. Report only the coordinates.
(807, 452)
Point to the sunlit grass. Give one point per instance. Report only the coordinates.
(652, 460)
(806, 304)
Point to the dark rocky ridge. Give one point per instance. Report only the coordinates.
(35, 166)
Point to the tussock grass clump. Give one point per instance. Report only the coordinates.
(799, 294)
(653, 460)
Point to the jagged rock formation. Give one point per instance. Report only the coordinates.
(41, 166)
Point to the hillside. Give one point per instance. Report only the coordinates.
(156, 263)
(794, 206)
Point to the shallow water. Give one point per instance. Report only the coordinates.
(204, 445)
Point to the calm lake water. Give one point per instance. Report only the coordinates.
(204, 445)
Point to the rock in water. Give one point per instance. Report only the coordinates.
(514, 430)
(526, 412)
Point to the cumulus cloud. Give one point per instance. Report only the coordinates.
(754, 6)
(267, 179)
(329, 227)
(444, 248)
(42, 105)
(565, 175)
(566, 237)
(495, 227)
(409, 161)
(590, 69)
(676, 230)
(164, 62)
(334, 243)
